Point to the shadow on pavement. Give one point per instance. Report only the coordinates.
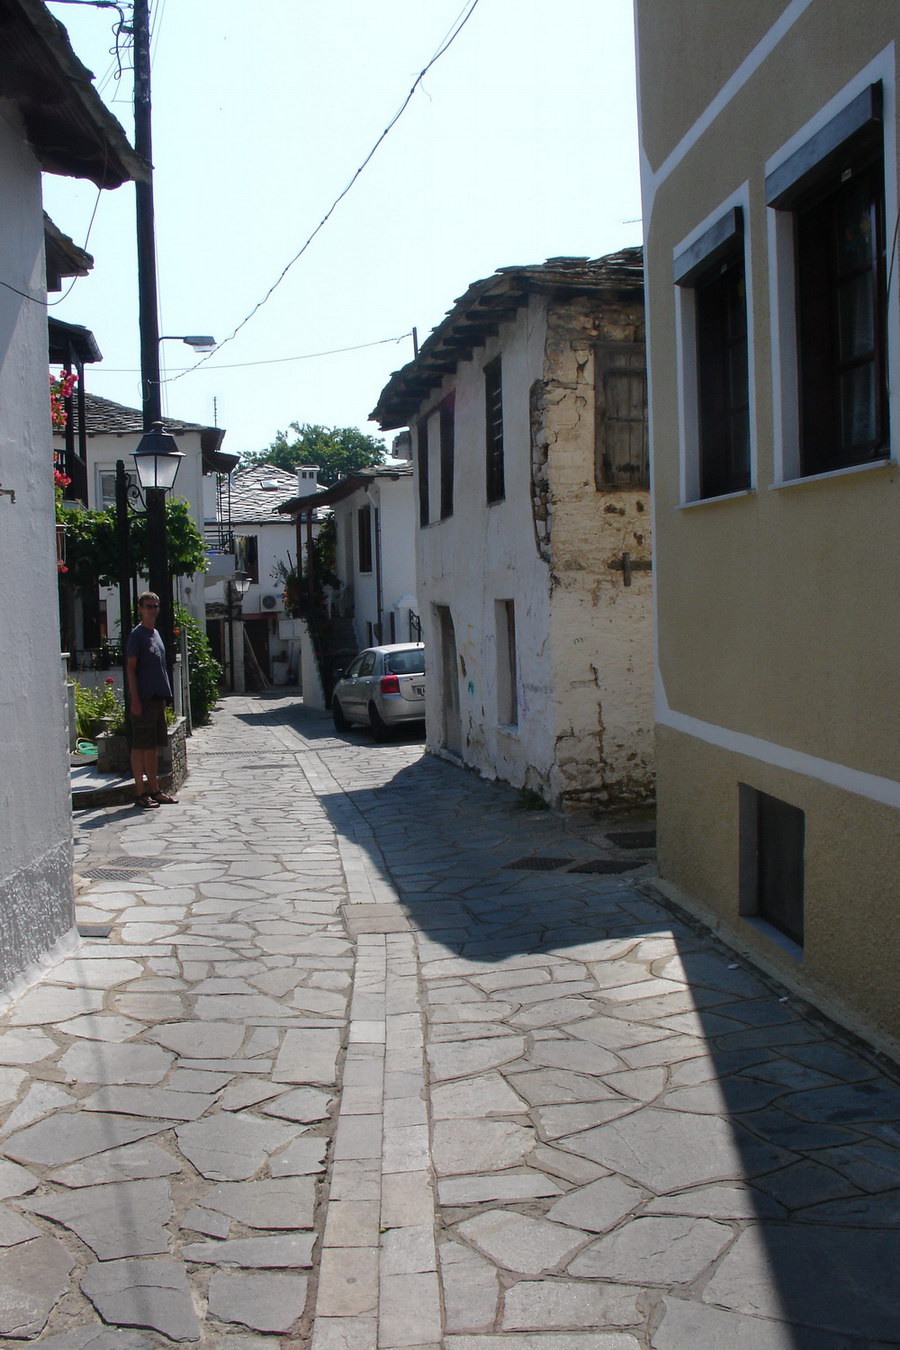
(732, 1080)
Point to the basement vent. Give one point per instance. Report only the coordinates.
(634, 839)
(604, 866)
(538, 864)
(94, 930)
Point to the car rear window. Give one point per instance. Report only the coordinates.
(405, 663)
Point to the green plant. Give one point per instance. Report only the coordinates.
(92, 703)
(204, 670)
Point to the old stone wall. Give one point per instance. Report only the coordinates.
(600, 605)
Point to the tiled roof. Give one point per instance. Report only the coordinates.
(348, 485)
(485, 305)
(257, 493)
(104, 418)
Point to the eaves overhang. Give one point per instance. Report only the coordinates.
(68, 126)
(349, 484)
(485, 307)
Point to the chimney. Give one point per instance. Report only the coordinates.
(306, 480)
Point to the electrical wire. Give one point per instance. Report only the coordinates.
(275, 360)
(442, 48)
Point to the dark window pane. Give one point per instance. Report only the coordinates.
(447, 420)
(620, 381)
(493, 413)
(422, 467)
(723, 388)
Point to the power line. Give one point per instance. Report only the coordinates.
(275, 360)
(445, 45)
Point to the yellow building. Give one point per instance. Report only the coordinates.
(769, 138)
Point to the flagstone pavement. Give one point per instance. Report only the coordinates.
(344, 1076)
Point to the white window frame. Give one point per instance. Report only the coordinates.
(782, 283)
(686, 355)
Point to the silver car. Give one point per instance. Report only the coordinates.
(382, 687)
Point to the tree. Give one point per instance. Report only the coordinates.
(334, 451)
(92, 556)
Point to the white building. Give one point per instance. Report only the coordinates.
(262, 543)
(528, 411)
(54, 122)
(112, 432)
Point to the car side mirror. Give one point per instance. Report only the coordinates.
(338, 674)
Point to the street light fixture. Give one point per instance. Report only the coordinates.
(199, 344)
(237, 587)
(156, 460)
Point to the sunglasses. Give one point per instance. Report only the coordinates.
(150, 604)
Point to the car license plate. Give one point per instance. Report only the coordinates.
(419, 690)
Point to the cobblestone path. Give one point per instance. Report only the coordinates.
(367, 1063)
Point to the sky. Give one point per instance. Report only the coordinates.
(520, 144)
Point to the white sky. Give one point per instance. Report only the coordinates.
(521, 145)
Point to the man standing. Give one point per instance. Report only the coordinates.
(149, 692)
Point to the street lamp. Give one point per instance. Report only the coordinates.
(156, 460)
(237, 587)
(199, 344)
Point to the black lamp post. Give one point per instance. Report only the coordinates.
(157, 459)
(237, 587)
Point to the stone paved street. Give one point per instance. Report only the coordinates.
(344, 1076)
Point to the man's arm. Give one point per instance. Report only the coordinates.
(131, 671)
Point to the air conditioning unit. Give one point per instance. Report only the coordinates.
(269, 602)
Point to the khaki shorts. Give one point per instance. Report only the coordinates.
(149, 731)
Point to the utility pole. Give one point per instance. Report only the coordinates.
(160, 580)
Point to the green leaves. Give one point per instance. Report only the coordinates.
(92, 554)
(335, 451)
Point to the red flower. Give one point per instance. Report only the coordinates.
(109, 680)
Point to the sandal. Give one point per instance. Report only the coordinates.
(145, 802)
(163, 799)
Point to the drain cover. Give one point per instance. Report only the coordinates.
(157, 860)
(634, 839)
(605, 865)
(111, 873)
(538, 864)
(94, 930)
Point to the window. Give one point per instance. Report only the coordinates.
(367, 664)
(106, 489)
(832, 192)
(493, 418)
(771, 875)
(422, 466)
(246, 556)
(364, 523)
(447, 430)
(507, 672)
(712, 277)
(620, 391)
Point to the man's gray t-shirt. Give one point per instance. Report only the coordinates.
(152, 675)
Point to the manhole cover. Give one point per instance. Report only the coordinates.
(155, 860)
(605, 865)
(634, 839)
(538, 864)
(111, 873)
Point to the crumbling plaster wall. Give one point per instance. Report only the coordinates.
(600, 635)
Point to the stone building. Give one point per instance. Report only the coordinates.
(527, 409)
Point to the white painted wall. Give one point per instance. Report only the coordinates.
(582, 725)
(484, 554)
(36, 897)
(394, 536)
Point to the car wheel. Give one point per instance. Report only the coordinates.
(380, 729)
(337, 713)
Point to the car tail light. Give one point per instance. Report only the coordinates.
(390, 684)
